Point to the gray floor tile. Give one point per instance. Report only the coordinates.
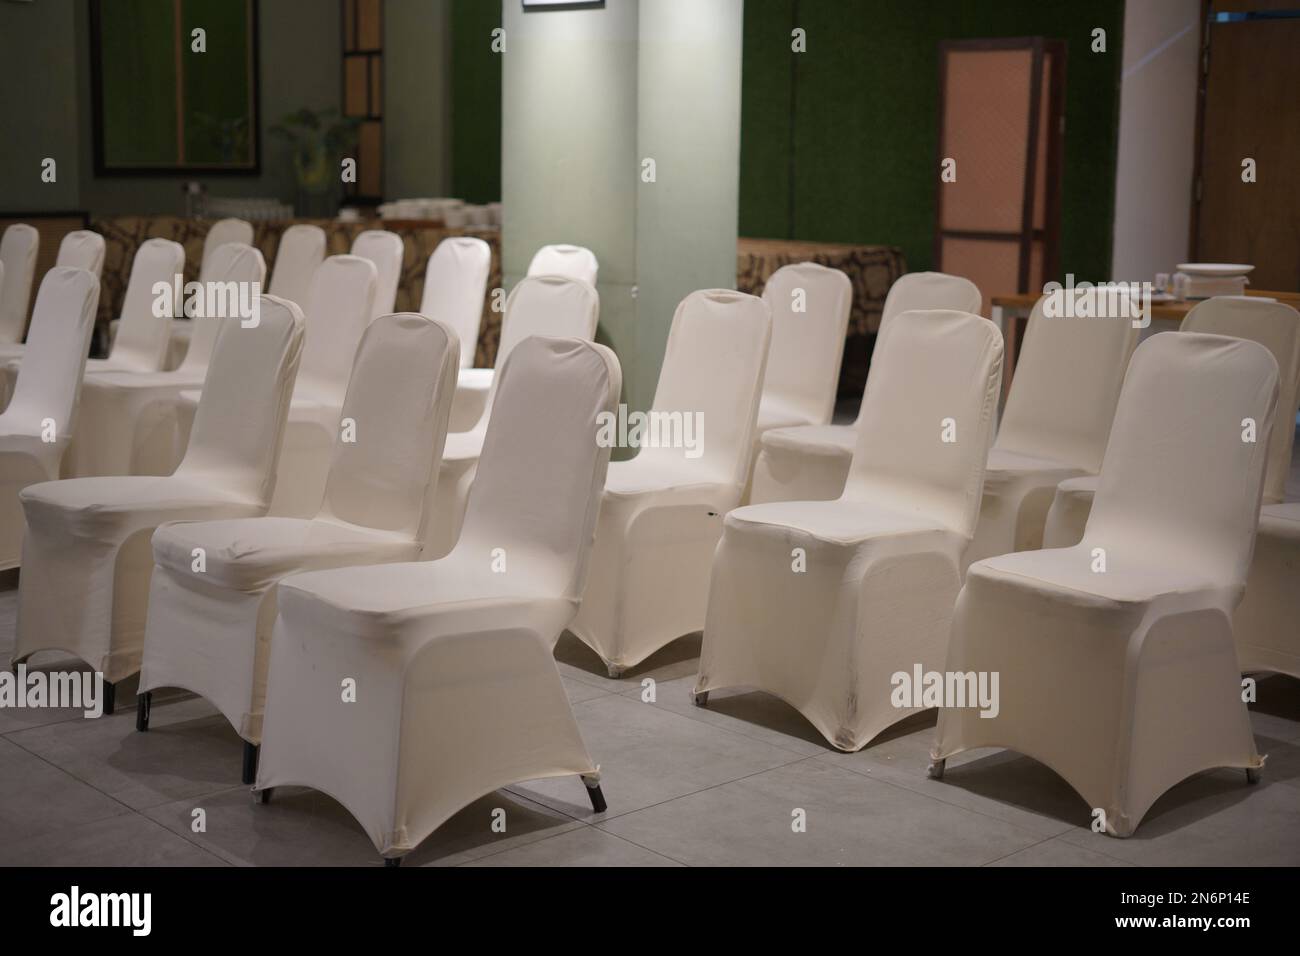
(585, 846)
(37, 798)
(648, 755)
(851, 821)
(1057, 852)
(128, 840)
(189, 750)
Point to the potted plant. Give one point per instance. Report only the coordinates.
(318, 141)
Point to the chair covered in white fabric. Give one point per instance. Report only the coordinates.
(550, 306)
(209, 626)
(35, 427)
(811, 462)
(87, 558)
(575, 262)
(810, 315)
(1056, 421)
(822, 602)
(18, 248)
(455, 289)
(127, 421)
(82, 249)
(1272, 324)
(458, 692)
(1267, 635)
(141, 342)
(385, 250)
(223, 231)
(337, 313)
(1115, 659)
(661, 513)
(301, 251)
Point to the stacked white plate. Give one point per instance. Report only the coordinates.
(1208, 279)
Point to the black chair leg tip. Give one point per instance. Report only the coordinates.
(110, 698)
(264, 796)
(142, 705)
(392, 861)
(249, 775)
(597, 799)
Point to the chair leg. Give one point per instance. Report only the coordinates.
(701, 699)
(935, 770)
(615, 671)
(1252, 775)
(392, 861)
(264, 796)
(250, 763)
(594, 793)
(110, 698)
(143, 702)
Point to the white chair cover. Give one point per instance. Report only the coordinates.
(1272, 324)
(35, 428)
(661, 514)
(301, 251)
(455, 286)
(87, 558)
(458, 693)
(1267, 636)
(821, 602)
(209, 630)
(1115, 660)
(223, 231)
(1055, 424)
(385, 250)
(550, 306)
(811, 462)
(575, 262)
(127, 421)
(82, 249)
(338, 311)
(18, 254)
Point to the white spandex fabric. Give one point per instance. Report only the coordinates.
(87, 558)
(1272, 324)
(223, 231)
(82, 249)
(551, 306)
(385, 250)
(338, 311)
(209, 628)
(1121, 676)
(1268, 637)
(572, 262)
(455, 286)
(821, 602)
(575, 262)
(457, 690)
(18, 255)
(127, 421)
(811, 462)
(1055, 424)
(300, 253)
(36, 426)
(661, 514)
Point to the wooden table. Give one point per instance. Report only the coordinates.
(1010, 313)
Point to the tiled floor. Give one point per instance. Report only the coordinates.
(685, 785)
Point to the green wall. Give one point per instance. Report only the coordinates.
(475, 101)
(838, 143)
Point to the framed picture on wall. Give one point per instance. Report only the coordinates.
(175, 86)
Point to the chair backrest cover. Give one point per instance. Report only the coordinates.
(49, 379)
(551, 306)
(301, 249)
(397, 406)
(927, 417)
(18, 253)
(338, 311)
(713, 370)
(239, 424)
(538, 486)
(1067, 381)
(82, 249)
(142, 337)
(1179, 477)
(1276, 326)
(576, 262)
(810, 314)
(455, 284)
(385, 250)
(229, 262)
(223, 231)
(931, 290)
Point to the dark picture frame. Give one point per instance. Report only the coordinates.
(132, 140)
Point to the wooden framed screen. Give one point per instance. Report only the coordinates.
(1001, 131)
